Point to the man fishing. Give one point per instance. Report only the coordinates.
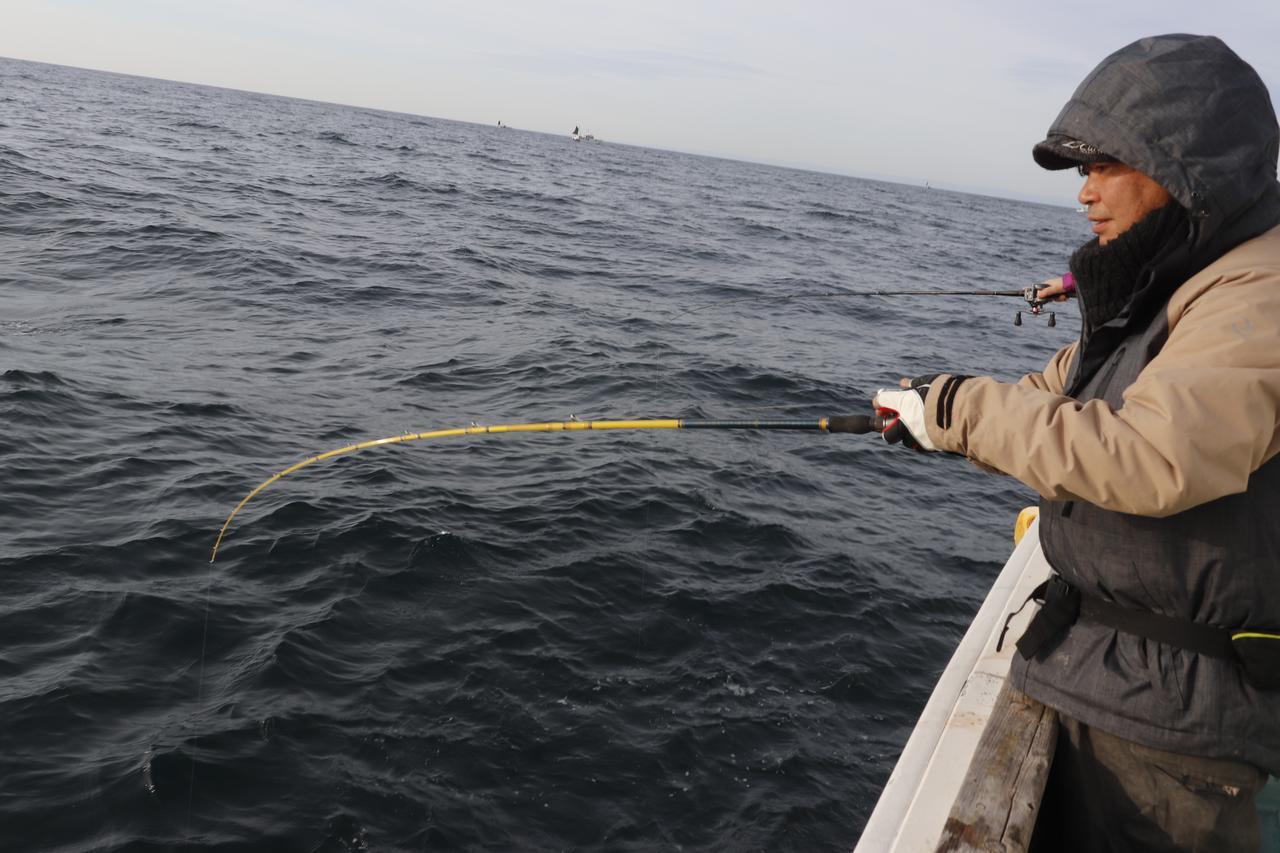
(1153, 442)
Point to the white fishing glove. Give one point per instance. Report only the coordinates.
(906, 407)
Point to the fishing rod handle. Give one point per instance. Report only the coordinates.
(858, 424)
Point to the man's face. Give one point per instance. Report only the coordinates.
(1118, 196)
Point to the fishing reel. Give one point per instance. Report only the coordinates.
(1031, 294)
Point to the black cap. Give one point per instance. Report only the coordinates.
(1064, 152)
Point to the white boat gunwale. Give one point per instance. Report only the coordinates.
(913, 808)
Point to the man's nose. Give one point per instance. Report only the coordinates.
(1088, 195)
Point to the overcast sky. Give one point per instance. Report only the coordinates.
(951, 93)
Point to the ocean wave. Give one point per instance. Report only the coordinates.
(334, 137)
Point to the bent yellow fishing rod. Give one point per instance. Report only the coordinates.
(855, 424)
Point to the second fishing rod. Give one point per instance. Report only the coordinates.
(1032, 295)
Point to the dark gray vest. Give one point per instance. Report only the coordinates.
(1217, 563)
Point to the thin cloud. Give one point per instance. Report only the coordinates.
(631, 64)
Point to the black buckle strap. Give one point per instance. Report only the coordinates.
(1059, 609)
(1061, 604)
(1037, 594)
(1183, 633)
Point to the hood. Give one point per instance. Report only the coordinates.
(1189, 113)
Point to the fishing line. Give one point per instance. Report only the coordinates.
(195, 738)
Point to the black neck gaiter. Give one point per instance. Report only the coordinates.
(1108, 276)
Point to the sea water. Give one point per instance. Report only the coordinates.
(624, 641)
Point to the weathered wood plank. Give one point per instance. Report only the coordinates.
(995, 811)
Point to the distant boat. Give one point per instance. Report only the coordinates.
(580, 137)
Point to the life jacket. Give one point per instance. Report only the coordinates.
(1146, 608)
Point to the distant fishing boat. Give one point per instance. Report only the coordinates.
(974, 769)
(580, 137)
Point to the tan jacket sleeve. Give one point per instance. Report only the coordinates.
(1055, 374)
(1197, 421)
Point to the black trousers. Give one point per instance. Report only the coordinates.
(1109, 795)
